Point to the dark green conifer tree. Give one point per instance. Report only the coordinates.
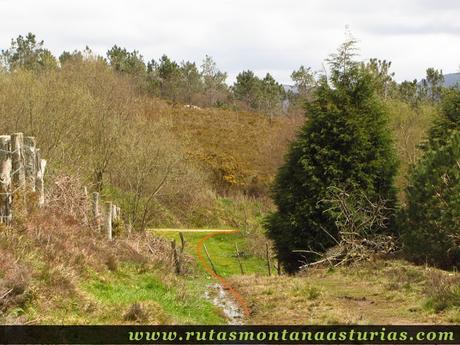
(344, 143)
(431, 219)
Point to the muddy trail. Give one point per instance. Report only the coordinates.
(221, 299)
(222, 294)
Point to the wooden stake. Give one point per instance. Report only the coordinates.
(95, 209)
(278, 267)
(238, 258)
(17, 143)
(175, 256)
(30, 166)
(268, 259)
(85, 213)
(209, 258)
(108, 220)
(5, 179)
(114, 213)
(40, 183)
(118, 213)
(182, 242)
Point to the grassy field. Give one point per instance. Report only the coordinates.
(173, 300)
(130, 295)
(383, 292)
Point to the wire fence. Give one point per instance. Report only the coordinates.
(21, 154)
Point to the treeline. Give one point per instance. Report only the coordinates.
(205, 84)
(185, 82)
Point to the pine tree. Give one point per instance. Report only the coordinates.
(27, 53)
(344, 143)
(449, 121)
(431, 219)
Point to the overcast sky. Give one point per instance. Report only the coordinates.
(261, 35)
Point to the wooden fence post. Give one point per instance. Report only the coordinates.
(30, 162)
(175, 256)
(17, 143)
(40, 182)
(86, 203)
(209, 258)
(38, 187)
(95, 209)
(108, 220)
(114, 213)
(267, 252)
(182, 242)
(118, 213)
(5, 179)
(238, 257)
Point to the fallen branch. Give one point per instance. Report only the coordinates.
(360, 223)
(6, 293)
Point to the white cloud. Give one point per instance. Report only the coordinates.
(262, 35)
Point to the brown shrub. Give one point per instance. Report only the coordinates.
(135, 313)
(66, 196)
(14, 282)
(443, 290)
(148, 312)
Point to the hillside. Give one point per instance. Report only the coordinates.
(243, 150)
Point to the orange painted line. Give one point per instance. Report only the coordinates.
(235, 294)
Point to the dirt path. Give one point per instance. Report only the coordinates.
(224, 282)
(235, 307)
(219, 297)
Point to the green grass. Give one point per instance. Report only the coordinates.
(221, 248)
(180, 303)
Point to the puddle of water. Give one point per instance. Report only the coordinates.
(220, 298)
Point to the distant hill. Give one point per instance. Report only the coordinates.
(290, 88)
(452, 79)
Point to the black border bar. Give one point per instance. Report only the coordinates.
(334, 334)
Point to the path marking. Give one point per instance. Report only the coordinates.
(236, 295)
(193, 230)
